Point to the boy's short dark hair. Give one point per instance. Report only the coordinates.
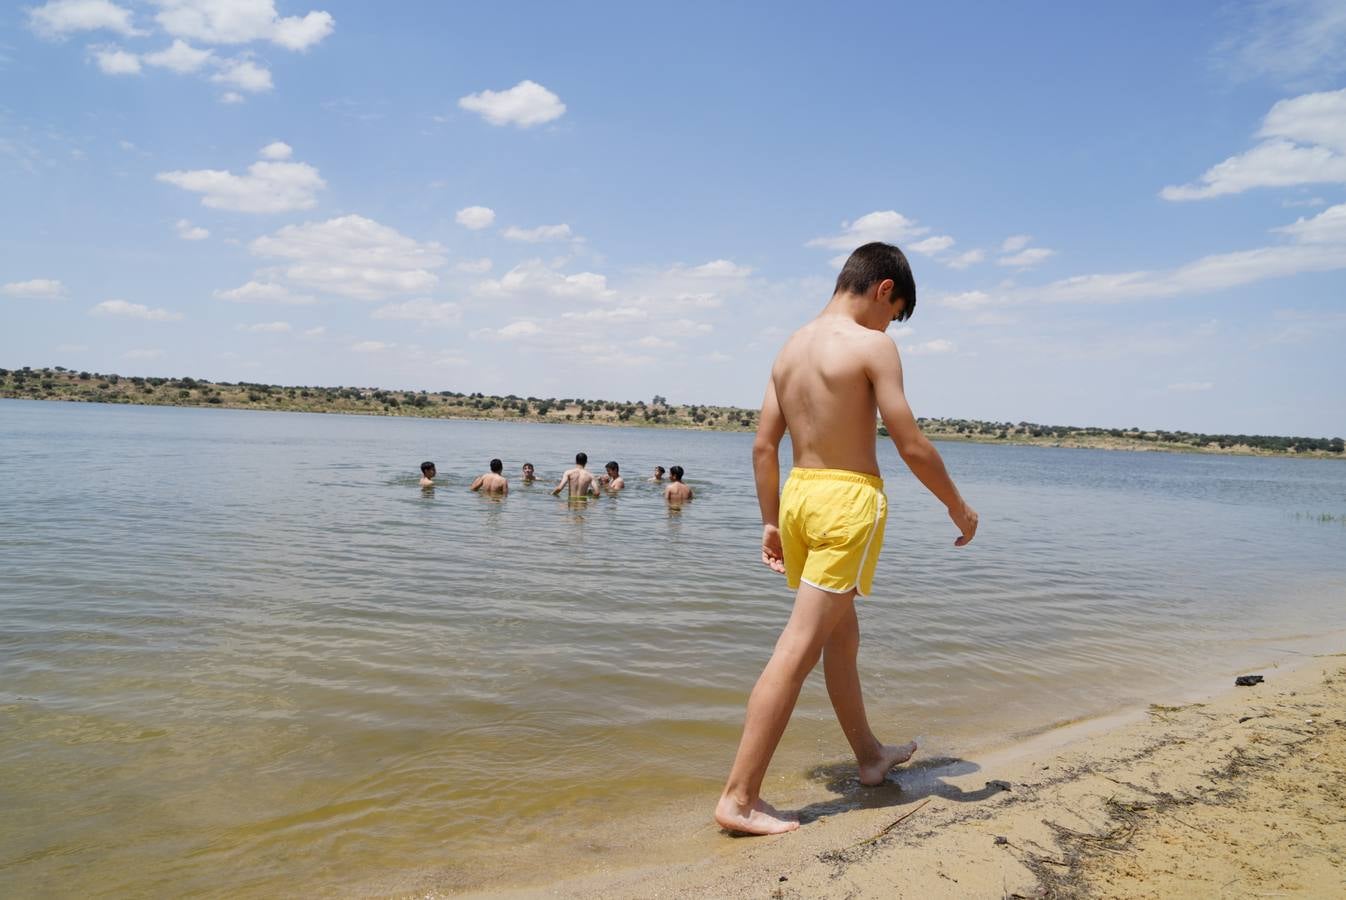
(873, 262)
(659, 469)
(581, 458)
(612, 464)
(676, 472)
(528, 465)
(427, 466)
(497, 466)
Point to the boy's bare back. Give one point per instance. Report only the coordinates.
(823, 381)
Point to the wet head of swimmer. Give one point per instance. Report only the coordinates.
(428, 469)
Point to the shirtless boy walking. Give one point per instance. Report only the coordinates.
(579, 480)
(824, 531)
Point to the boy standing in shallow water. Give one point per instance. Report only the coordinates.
(825, 529)
(494, 481)
(677, 492)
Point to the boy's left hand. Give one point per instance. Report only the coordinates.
(772, 554)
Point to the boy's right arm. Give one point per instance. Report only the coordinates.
(564, 479)
(914, 447)
(766, 472)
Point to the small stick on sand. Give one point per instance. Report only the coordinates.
(890, 826)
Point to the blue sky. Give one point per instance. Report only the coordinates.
(1117, 216)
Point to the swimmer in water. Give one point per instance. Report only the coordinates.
(427, 474)
(613, 480)
(677, 493)
(658, 475)
(529, 474)
(493, 482)
(579, 480)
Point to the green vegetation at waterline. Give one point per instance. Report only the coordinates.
(60, 383)
(66, 384)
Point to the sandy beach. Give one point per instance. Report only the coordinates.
(1236, 795)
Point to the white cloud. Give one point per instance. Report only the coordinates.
(242, 21)
(1288, 40)
(475, 217)
(1187, 387)
(179, 57)
(316, 331)
(267, 328)
(966, 259)
(353, 257)
(268, 187)
(1328, 227)
(243, 74)
(142, 354)
(965, 300)
(539, 234)
(1304, 142)
(1026, 259)
(60, 18)
(884, 225)
(930, 348)
(687, 328)
(189, 232)
(653, 342)
(618, 314)
(371, 346)
(534, 277)
(931, 245)
(425, 311)
(264, 292)
(525, 105)
(1016, 242)
(475, 266)
(276, 150)
(720, 268)
(123, 309)
(1320, 247)
(35, 288)
(115, 61)
(232, 97)
(522, 328)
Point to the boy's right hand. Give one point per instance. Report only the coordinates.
(772, 554)
(965, 518)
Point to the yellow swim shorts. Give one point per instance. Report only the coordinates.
(831, 527)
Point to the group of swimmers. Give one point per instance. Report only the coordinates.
(578, 482)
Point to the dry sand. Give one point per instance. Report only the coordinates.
(1243, 795)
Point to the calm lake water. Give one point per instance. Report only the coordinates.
(243, 654)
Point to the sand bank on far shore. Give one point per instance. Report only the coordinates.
(1242, 795)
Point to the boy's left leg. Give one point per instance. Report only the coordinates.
(843, 689)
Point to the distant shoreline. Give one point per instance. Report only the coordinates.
(92, 387)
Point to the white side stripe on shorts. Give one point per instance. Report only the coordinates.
(878, 513)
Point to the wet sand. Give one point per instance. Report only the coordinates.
(1240, 794)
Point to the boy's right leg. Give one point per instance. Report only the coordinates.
(815, 615)
(843, 689)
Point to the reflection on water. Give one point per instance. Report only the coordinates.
(244, 652)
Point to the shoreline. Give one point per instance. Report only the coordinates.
(1110, 445)
(1105, 805)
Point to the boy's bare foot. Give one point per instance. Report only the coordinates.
(889, 756)
(760, 818)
